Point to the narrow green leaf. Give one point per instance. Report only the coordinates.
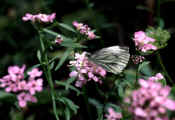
(120, 91)
(63, 59)
(95, 103)
(39, 55)
(70, 86)
(67, 113)
(98, 106)
(52, 65)
(69, 81)
(67, 27)
(72, 45)
(50, 32)
(116, 108)
(69, 103)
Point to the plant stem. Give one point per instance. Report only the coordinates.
(158, 9)
(47, 72)
(86, 102)
(163, 67)
(137, 73)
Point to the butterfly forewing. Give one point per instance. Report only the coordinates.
(113, 59)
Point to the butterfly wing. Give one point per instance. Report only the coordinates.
(113, 59)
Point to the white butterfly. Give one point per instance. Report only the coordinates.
(113, 59)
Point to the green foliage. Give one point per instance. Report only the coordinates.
(7, 96)
(69, 106)
(99, 107)
(161, 36)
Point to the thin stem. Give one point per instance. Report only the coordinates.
(137, 73)
(47, 72)
(158, 12)
(158, 9)
(164, 69)
(86, 102)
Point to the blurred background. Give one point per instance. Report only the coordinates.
(115, 21)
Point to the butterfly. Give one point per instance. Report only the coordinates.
(113, 59)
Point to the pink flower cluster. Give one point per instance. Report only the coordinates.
(84, 29)
(150, 101)
(143, 42)
(15, 82)
(112, 115)
(85, 70)
(137, 59)
(39, 17)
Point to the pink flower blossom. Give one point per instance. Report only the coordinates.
(14, 82)
(34, 73)
(85, 70)
(39, 17)
(143, 42)
(28, 17)
(23, 98)
(35, 85)
(112, 115)
(151, 101)
(84, 30)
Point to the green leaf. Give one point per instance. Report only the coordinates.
(39, 55)
(67, 113)
(98, 106)
(50, 32)
(70, 86)
(34, 66)
(69, 81)
(72, 45)
(142, 65)
(120, 91)
(115, 107)
(63, 59)
(69, 103)
(7, 96)
(52, 65)
(15, 115)
(67, 27)
(145, 68)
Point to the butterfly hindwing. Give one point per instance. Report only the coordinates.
(113, 59)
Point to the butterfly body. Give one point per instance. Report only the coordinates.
(113, 59)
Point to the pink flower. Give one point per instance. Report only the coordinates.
(14, 82)
(39, 17)
(23, 98)
(22, 85)
(151, 100)
(73, 74)
(159, 76)
(91, 35)
(83, 67)
(169, 104)
(143, 42)
(112, 115)
(52, 17)
(140, 112)
(34, 73)
(84, 30)
(28, 17)
(35, 85)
